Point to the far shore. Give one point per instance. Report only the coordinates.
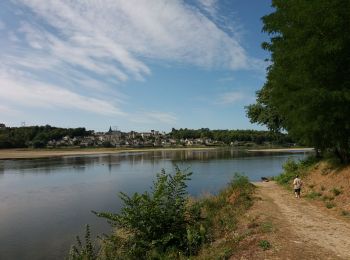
(277, 150)
(26, 153)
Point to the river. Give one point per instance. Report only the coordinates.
(45, 203)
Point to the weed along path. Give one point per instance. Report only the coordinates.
(306, 231)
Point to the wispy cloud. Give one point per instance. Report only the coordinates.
(226, 79)
(16, 87)
(230, 98)
(2, 25)
(209, 5)
(110, 37)
(61, 47)
(7, 111)
(154, 117)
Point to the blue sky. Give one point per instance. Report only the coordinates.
(134, 64)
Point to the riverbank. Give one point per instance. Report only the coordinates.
(280, 150)
(283, 227)
(27, 153)
(45, 153)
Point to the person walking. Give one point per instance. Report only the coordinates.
(297, 183)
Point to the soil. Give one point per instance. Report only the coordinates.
(325, 179)
(295, 228)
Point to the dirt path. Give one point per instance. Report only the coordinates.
(313, 232)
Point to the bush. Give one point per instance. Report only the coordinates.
(345, 213)
(165, 224)
(264, 244)
(156, 221)
(330, 205)
(83, 251)
(313, 195)
(292, 168)
(336, 191)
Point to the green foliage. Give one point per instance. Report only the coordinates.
(157, 221)
(336, 191)
(292, 168)
(264, 113)
(264, 244)
(228, 136)
(345, 213)
(165, 224)
(221, 212)
(325, 198)
(307, 91)
(313, 195)
(267, 227)
(84, 251)
(330, 205)
(35, 136)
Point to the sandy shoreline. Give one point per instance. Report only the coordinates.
(44, 153)
(282, 150)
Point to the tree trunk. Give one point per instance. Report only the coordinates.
(343, 155)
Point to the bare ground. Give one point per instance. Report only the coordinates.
(296, 228)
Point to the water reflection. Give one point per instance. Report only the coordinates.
(47, 165)
(45, 203)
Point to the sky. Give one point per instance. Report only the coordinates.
(131, 64)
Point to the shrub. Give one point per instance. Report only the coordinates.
(292, 168)
(325, 197)
(336, 191)
(83, 251)
(330, 205)
(165, 224)
(156, 221)
(267, 227)
(345, 213)
(313, 195)
(264, 244)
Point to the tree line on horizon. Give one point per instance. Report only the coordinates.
(307, 91)
(36, 136)
(39, 136)
(228, 136)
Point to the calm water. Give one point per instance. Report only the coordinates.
(45, 203)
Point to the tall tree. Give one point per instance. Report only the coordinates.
(308, 83)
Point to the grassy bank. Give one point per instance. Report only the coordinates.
(326, 183)
(167, 224)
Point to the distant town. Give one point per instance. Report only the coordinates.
(52, 137)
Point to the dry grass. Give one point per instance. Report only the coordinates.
(334, 185)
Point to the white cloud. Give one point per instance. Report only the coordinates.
(17, 88)
(226, 79)
(230, 98)
(64, 46)
(124, 30)
(153, 117)
(6, 111)
(209, 5)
